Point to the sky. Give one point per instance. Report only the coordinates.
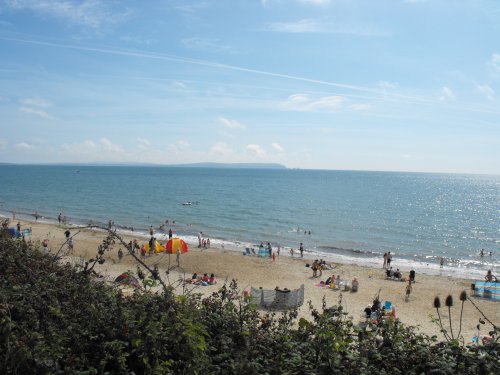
(401, 85)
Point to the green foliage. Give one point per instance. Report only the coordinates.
(58, 319)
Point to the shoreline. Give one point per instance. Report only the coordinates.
(228, 264)
(403, 264)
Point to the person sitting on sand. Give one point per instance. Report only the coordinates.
(212, 280)
(205, 277)
(398, 274)
(354, 284)
(490, 277)
(368, 311)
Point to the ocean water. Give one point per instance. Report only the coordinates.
(352, 216)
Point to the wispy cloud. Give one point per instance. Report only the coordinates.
(486, 90)
(312, 25)
(109, 146)
(90, 150)
(304, 103)
(494, 63)
(35, 111)
(35, 102)
(221, 149)
(301, 26)
(35, 106)
(23, 146)
(162, 57)
(179, 146)
(231, 124)
(447, 94)
(206, 44)
(143, 144)
(87, 13)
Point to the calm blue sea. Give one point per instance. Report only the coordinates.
(353, 216)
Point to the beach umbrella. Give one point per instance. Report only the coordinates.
(174, 244)
(128, 279)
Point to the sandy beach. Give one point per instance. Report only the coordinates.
(288, 272)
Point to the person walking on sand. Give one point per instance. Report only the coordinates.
(199, 238)
(385, 261)
(389, 259)
(178, 257)
(59, 218)
(301, 249)
(408, 292)
(120, 254)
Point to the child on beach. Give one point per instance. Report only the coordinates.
(408, 292)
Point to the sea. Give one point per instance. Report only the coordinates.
(350, 217)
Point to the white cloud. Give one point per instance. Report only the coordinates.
(221, 148)
(486, 91)
(87, 13)
(35, 111)
(89, 144)
(107, 145)
(277, 147)
(311, 25)
(23, 146)
(304, 103)
(231, 124)
(256, 150)
(446, 94)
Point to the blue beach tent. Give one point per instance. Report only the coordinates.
(487, 289)
(14, 233)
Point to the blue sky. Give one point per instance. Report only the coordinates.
(367, 85)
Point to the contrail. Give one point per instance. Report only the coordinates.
(211, 64)
(166, 57)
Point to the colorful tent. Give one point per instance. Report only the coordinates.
(174, 244)
(158, 248)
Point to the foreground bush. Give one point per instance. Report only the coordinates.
(58, 319)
